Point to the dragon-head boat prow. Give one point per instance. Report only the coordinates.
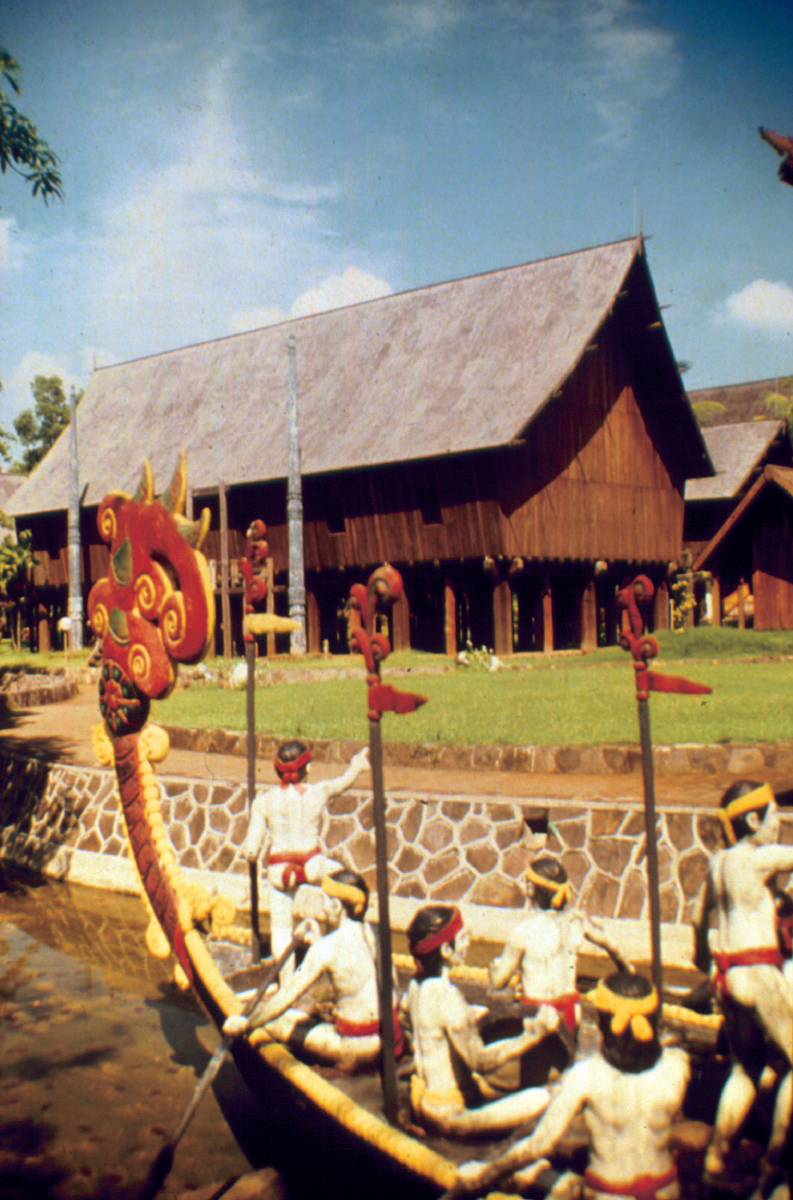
(154, 610)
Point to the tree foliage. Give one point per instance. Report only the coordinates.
(39, 427)
(21, 148)
(16, 563)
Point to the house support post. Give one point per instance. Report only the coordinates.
(502, 618)
(43, 622)
(269, 575)
(225, 605)
(547, 616)
(715, 602)
(661, 607)
(294, 516)
(73, 535)
(400, 623)
(450, 618)
(589, 617)
(312, 624)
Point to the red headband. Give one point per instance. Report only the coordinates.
(290, 771)
(445, 934)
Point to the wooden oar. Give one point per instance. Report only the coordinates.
(164, 1160)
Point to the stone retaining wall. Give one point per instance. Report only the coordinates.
(687, 759)
(448, 849)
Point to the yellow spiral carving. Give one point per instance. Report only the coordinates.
(139, 662)
(107, 525)
(99, 620)
(146, 594)
(173, 622)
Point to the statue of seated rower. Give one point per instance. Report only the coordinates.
(289, 816)
(748, 976)
(628, 1093)
(543, 947)
(447, 1046)
(346, 955)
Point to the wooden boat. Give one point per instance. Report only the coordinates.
(153, 611)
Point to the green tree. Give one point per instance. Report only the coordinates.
(16, 564)
(39, 427)
(21, 148)
(6, 439)
(779, 403)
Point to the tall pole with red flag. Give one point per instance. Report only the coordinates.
(642, 649)
(384, 587)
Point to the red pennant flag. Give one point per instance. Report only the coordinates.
(385, 698)
(656, 682)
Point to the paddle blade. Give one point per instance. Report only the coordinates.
(158, 1173)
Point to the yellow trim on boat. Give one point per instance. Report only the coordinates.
(397, 1145)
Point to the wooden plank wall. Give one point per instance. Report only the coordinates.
(772, 577)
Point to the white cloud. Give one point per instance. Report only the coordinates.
(353, 286)
(762, 305)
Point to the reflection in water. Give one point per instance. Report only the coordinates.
(101, 1054)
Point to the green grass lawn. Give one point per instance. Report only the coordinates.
(542, 700)
(539, 699)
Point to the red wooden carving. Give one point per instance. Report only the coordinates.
(643, 648)
(252, 567)
(384, 586)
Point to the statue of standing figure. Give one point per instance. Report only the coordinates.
(748, 977)
(289, 817)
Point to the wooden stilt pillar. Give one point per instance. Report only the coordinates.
(270, 603)
(312, 624)
(502, 618)
(661, 607)
(225, 605)
(450, 618)
(589, 617)
(400, 623)
(547, 616)
(43, 622)
(715, 602)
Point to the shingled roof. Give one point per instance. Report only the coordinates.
(455, 367)
(737, 452)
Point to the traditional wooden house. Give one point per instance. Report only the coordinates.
(517, 443)
(755, 544)
(739, 453)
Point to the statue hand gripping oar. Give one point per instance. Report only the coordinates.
(642, 650)
(384, 586)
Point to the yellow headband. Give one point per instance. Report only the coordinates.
(744, 804)
(345, 891)
(562, 893)
(625, 1009)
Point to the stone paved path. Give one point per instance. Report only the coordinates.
(62, 732)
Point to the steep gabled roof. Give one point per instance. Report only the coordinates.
(772, 476)
(446, 369)
(737, 451)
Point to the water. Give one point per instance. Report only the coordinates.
(101, 1054)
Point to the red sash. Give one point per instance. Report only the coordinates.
(768, 955)
(641, 1187)
(366, 1028)
(564, 1005)
(293, 873)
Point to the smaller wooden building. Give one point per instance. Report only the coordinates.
(755, 544)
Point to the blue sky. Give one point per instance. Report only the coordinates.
(229, 165)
